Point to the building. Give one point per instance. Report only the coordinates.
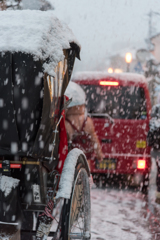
(117, 62)
(155, 40)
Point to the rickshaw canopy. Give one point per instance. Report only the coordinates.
(37, 54)
(38, 33)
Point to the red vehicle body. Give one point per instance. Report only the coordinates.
(120, 107)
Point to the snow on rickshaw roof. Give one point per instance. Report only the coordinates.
(133, 77)
(35, 32)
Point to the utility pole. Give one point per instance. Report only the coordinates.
(150, 30)
(150, 27)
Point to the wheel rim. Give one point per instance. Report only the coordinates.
(79, 218)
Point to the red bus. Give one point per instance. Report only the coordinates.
(120, 107)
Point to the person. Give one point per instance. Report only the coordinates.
(80, 127)
(153, 139)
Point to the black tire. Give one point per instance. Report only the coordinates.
(27, 224)
(100, 180)
(78, 204)
(145, 185)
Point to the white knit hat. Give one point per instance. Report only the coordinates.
(77, 94)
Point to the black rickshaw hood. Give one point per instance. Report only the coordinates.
(38, 33)
(28, 130)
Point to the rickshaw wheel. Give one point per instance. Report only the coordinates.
(145, 184)
(76, 211)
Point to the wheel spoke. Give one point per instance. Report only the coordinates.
(77, 214)
(79, 201)
(73, 212)
(76, 211)
(80, 218)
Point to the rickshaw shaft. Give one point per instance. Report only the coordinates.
(51, 234)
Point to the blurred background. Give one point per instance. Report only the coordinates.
(115, 36)
(107, 30)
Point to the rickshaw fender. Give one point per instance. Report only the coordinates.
(67, 176)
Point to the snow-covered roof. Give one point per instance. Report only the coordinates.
(131, 49)
(103, 75)
(122, 52)
(37, 32)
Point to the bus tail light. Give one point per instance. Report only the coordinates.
(141, 164)
(108, 83)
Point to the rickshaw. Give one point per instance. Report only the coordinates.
(44, 189)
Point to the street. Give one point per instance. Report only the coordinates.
(125, 214)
